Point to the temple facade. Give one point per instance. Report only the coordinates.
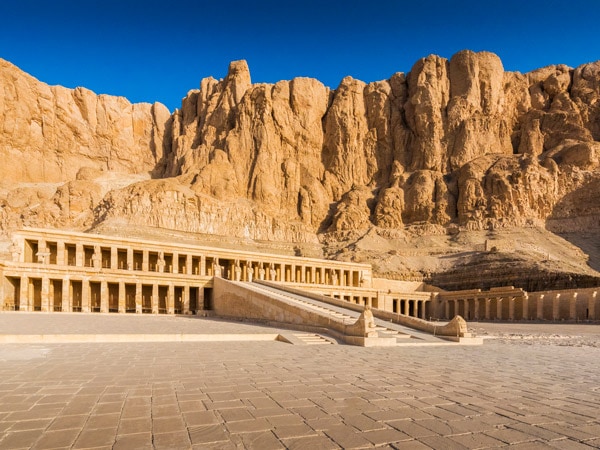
(50, 270)
(53, 271)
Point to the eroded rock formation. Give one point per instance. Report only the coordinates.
(453, 143)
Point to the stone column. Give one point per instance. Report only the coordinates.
(138, 298)
(476, 308)
(498, 308)
(24, 294)
(46, 294)
(188, 264)
(97, 257)
(129, 259)
(103, 296)
(488, 305)
(511, 308)
(573, 306)
(145, 262)
(171, 299)
(79, 256)
(160, 262)
(66, 304)
(313, 275)
(540, 307)
(60, 253)
(175, 262)
(303, 274)
(186, 299)
(555, 306)
(155, 298)
(525, 306)
(122, 305)
(200, 299)
(447, 309)
(424, 309)
(202, 265)
(114, 258)
(592, 305)
(85, 295)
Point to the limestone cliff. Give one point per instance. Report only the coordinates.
(48, 133)
(452, 142)
(452, 146)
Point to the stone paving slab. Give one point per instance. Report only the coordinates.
(38, 323)
(271, 395)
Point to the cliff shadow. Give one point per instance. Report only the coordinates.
(576, 218)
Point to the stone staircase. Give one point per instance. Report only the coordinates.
(346, 316)
(312, 339)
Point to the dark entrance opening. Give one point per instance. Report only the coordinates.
(208, 298)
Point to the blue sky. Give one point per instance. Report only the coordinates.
(150, 50)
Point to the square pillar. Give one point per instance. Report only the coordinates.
(555, 306)
(138, 298)
(85, 296)
(175, 262)
(498, 308)
(171, 299)
(200, 299)
(186, 299)
(476, 309)
(122, 307)
(525, 307)
(114, 258)
(592, 305)
(573, 306)
(155, 298)
(103, 296)
(79, 255)
(24, 294)
(46, 294)
(66, 304)
(188, 264)
(511, 308)
(60, 253)
(129, 259)
(540, 307)
(488, 306)
(145, 257)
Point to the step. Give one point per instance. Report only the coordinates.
(313, 339)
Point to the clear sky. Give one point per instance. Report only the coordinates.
(151, 50)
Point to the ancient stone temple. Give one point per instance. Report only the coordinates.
(53, 270)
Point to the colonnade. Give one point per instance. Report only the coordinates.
(83, 294)
(519, 305)
(411, 307)
(168, 259)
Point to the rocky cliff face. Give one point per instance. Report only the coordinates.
(452, 142)
(455, 144)
(48, 133)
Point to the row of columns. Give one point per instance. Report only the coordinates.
(293, 273)
(234, 269)
(470, 308)
(69, 294)
(418, 307)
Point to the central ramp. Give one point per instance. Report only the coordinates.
(243, 300)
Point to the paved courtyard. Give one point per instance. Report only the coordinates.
(269, 394)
